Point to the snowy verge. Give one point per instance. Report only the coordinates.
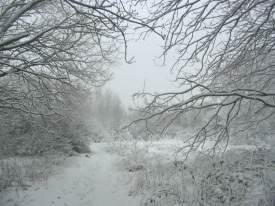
(241, 175)
(82, 180)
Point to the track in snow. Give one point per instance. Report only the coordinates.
(93, 181)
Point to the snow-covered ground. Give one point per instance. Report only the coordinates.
(133, 173)
(86, 181)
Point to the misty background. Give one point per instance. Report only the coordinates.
(137, 103)
(147, 72)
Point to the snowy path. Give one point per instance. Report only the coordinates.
(93, 181)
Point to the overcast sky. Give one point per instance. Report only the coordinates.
(146, 70)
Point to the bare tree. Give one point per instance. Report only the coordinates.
(225, 64)
(46, 44)
(51, 53)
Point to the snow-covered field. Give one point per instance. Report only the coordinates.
(95, 180)
(138, 173)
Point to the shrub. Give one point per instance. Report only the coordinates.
(239, 177)
(21, 172)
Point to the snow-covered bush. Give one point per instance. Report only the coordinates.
(136, 158)
(42, 136)
(21, 172)
(11, 174)
(239, 177)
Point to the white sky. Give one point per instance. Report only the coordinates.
(147, 69)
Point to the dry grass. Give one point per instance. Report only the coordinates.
(240, 177)
(20, 172)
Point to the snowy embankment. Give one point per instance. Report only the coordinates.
(234, 177)
(91, 181)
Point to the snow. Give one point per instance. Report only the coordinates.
(109, 177)
(86, 181)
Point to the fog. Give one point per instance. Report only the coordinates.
(198, 132)
(148, 71)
